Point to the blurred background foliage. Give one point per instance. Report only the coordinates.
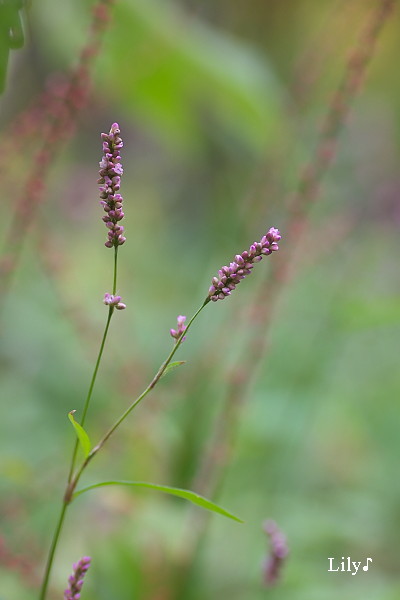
(219, 105)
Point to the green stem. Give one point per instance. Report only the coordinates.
(89, 395)
(97, 365)
(151, 385)
(50, 559)
(72, 482)
(130, 408)
(115, 269)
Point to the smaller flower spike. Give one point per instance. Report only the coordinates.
(115, 301)
(181, 328)
(75, 580)
(229, 277)
(110, 180)
(278, 553)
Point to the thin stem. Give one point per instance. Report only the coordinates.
(96, 368)
(50, 559)
(72, 482)
(130, 408)
(151, 385)
(97, 365)
(89, 395)
(115, 269)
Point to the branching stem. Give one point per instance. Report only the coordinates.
(74, 479)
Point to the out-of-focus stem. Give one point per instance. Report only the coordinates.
(209, 476)
(306, 194)
(336, 115)
(59, 127)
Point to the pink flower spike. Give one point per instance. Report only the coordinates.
(229, 277)
(76, 579)
(110, 182)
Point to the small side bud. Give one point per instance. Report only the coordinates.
(114, 301)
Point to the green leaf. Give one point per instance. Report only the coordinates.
(81, 434)
(186, 494)
(173, 365)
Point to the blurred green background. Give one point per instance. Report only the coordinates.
(219, 105)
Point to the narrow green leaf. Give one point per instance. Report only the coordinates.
(186, 494)
(173, 365)
(81, 434)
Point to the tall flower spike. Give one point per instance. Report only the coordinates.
(229, 277)
(110, 180)
(75, 581)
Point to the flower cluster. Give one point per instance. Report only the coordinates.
(278, 553)
(75, 580)
(110, 180)
(181, 328)
(229, 277)
(115, 301)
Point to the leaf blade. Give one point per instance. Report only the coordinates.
(172, 366)
(81, 434)
(181, 493)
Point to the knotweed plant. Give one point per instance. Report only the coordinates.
(222, 286)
